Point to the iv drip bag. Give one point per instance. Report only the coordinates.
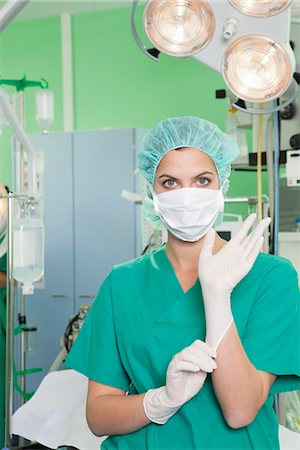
(44, 109)
(28, 254)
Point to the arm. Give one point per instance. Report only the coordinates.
(241, 389)
(2, 279)
(110, 411)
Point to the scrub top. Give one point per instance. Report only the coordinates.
(142, 317)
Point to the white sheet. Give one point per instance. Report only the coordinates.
(55, 415)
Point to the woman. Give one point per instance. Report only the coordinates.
(200, 333)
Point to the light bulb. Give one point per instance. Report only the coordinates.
(260, 8)
(179, 27)
(44, 109)
(256, 68)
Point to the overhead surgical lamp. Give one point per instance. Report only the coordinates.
(256, 69)
(259, 8)
(179, 28)
(245, 40)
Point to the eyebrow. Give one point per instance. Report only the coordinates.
(174, 178)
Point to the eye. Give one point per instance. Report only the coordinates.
(203, 181)
(169, 183)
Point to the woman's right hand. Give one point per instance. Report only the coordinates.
(187, 372)
(185, 377)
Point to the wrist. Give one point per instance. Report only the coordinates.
(157, 406)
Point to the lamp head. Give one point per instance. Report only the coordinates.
(179, 27)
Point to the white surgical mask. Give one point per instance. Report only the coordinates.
(188, 213)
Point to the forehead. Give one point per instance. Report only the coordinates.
(185, 158)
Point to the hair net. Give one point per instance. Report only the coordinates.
(187, 131)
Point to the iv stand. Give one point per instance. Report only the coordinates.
(9, 325)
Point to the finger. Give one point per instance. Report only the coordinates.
(184, 366)
(256, 234)
(205, 347)
(202, 360)
(208, 243)
(243, 231)
(199, 358)
(255, 250)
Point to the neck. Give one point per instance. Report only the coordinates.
(184, 256)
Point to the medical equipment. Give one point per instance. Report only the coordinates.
(29, 251)
(44, 109)
(74, 327)
(293, 168)
(228, 228)
(221, 33)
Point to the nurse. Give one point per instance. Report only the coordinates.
(186, 346)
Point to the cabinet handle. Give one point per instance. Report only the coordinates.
(86, 296)
(59, 296)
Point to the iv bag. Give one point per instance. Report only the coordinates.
(28, 254)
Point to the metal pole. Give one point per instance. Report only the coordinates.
(22, 314)
(9, 325)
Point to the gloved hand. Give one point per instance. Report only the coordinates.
(221, 272)
(185, 377)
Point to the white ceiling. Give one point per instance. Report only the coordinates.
(37, 9)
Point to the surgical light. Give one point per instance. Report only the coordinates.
(179, 27)
(256, 68)
(260, 8)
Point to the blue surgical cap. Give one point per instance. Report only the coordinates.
(187, 131)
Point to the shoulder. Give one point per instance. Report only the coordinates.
(270, 265)
(275, 277)
(135, 267)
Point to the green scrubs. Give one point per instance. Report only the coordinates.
(142, 317)
(2, 352)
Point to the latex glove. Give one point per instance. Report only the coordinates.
(185, 377)
(221, 272)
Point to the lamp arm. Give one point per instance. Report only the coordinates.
(137, 39)
(9, 11)
(272, 110)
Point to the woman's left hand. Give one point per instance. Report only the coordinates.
(222, 271)
(219, 273)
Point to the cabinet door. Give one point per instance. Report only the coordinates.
(50, 308)
(104, 162)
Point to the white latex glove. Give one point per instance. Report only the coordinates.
(221, 272)
(185, 377)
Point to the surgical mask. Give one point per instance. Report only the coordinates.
(188, 213)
